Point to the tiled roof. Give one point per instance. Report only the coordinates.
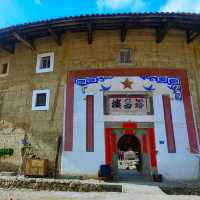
(162, 22)
(192, 16)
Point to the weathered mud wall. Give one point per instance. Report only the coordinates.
(43, 127)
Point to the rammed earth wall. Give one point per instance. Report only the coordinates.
(43, 127)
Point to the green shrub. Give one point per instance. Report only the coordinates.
(6, 151)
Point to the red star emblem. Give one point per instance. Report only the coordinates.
(127, 84)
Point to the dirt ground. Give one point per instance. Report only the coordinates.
(134, 187)
(131, 191)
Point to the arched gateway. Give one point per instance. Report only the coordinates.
(131, 148)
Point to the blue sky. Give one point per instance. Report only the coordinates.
(20, 11)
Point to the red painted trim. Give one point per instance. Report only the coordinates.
(129, 125)
(180, 73)
(127, 128)
(128, 132)
(90, 123)
(128, 72)
(69, 114)
(189, 116)
(169, 124)
(152, 148)
(108, 151)
(114, 143)
(144, 144)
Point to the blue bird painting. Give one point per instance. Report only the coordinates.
(104, 88)
(149, 88)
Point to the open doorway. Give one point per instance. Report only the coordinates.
(129, 157)
(129, 153)
(130, 150)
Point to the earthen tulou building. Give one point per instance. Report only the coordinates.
(96, 79)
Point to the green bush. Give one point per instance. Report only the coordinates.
(6, 151)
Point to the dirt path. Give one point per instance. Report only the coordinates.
(132, 192)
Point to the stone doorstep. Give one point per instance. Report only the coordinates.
(57, 185)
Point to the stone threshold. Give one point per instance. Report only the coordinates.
(58, 184)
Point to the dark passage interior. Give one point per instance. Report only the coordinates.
(129, 153)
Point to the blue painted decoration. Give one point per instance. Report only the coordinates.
(149, 88)
(172, 83)
(104, 88)
(161, 142)
(91, 80)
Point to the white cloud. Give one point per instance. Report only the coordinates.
(114, 5)
(181, 6)
(38, 2)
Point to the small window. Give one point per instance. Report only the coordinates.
(45, 62)
(4, 69)
(40, 99)
(125, 56)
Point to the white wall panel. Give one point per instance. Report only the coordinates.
(182, 164)
(179, 165)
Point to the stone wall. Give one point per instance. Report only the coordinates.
(43, 127)
(58, 185)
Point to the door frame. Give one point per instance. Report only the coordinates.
(111, 147)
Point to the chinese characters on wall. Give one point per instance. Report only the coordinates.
(128, 104)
